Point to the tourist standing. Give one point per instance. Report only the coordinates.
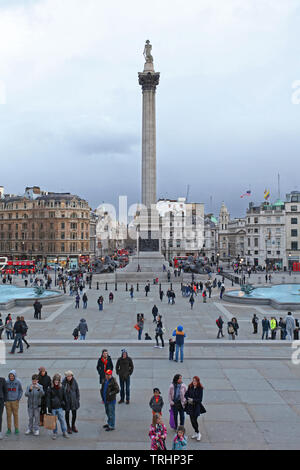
(255, 323)
(265, 328)
(100, 302)
(192, 300)
(290, 326)
(3, 399)
(180, 440)
(273, 327)
(37, 310)
(220, 324)
(194, 407)
(34, 394)
(84, 300)
(156, 403)
(56, 401)
(77, 300)
(18, 330)
(25, 329)
(104, 363)
(158, 433)
(154, 313)
(180, 335)
(172, 345)
(72, 400)
(14, 395)
(177, 398)
(9, 327)
(45, 381)
(109, 390)
(124, 369)
(140, 326)
(159, 333)
(131, 290)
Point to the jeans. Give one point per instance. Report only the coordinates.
(110, 413)
(123, 383)
(60, 417)
(179, 347)
(161, 338)
(140, 333)
(84, 304)
(18, 339)
(177, 410)
(82, 336)
(1, 412)
(100, 306)
(171, 355)
(265, 332)
(77, 305)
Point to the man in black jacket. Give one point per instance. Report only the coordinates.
(19, 331)
(124, 369)
(3, 398)
(109, 390)
(104, 363)
(154, 313)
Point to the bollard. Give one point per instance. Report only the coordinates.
(90, 285)
(160, 287)
(171, 285)
(116, 286)
(97, 285)
(126, 287)
(106, 286)
(137, 287)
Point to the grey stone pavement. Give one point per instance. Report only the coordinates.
(251, 388)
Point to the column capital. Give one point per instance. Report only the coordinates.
(149, 80)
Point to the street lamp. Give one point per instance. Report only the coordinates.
(218, 254)
(290, 264)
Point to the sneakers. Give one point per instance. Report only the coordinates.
(109, 429)
(69, 430)
(36, 433)
(106, 426)
(65, 435)
(198, 436)
(194, 435)
(8, 432)
(17, 431)
(28, 432)
(156, 346)
(54, 436)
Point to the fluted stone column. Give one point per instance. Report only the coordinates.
(149, 80)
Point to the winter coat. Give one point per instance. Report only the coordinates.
(156, 406)
(180, 335)
(196, 394)
(34, 396)
(111, 391)
(55, 398)
(82, 327)
(161, 432)
(124, 367)
(179, 444)
(3, 389)
(100, 367)
(44, 381)
(183, 389)
(72, 395)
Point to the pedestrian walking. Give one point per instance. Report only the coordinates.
(83, 329)
(84, 300)
(25, 329)
(156, 403)
(37, 310)
(235, 325)
(9, 327)
(158, 433)
(45, 381)
(111, 297)
(56, 401)
(72, 400)
(34, 394)
(180, 335)
(204, 296)
(14, 395)
(131, 290)
(194, 407)
(124, 369)
(77, 300)
(180, 440)
(161, 295)
(192, 300)
(3, 399)
(109, 391)
(159, 333)
(154, 313)
(18, 330)
(177, 400)
(100, 302)
(220, 324)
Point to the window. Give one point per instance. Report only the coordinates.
(255, 241)
(62, 235)
(256, 230)
(256, 220)
(294, 246)
(62, 247)
(62, 225)
(294, 220)
(294, 233)
(294, 208)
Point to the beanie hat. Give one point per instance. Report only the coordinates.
(68, 373)
(108, 372)
(179, 328)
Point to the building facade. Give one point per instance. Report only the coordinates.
(45, 226)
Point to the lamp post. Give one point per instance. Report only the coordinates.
(290, 264)
(218, 254)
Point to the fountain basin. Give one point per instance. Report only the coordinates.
(281, 296)
(11, 296)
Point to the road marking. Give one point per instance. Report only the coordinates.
(224, 310)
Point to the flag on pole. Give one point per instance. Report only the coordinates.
(247, 193)
(266, 194)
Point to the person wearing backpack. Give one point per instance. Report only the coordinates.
(220, 324)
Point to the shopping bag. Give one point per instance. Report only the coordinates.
(172, 421)
(50, 422)
(137, 327)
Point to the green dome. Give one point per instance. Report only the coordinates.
(278, 203)
(214, 220)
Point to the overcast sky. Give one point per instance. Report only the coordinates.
(226, 123)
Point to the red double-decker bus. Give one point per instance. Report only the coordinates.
(19, 266)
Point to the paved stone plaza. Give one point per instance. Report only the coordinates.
(251, 388)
